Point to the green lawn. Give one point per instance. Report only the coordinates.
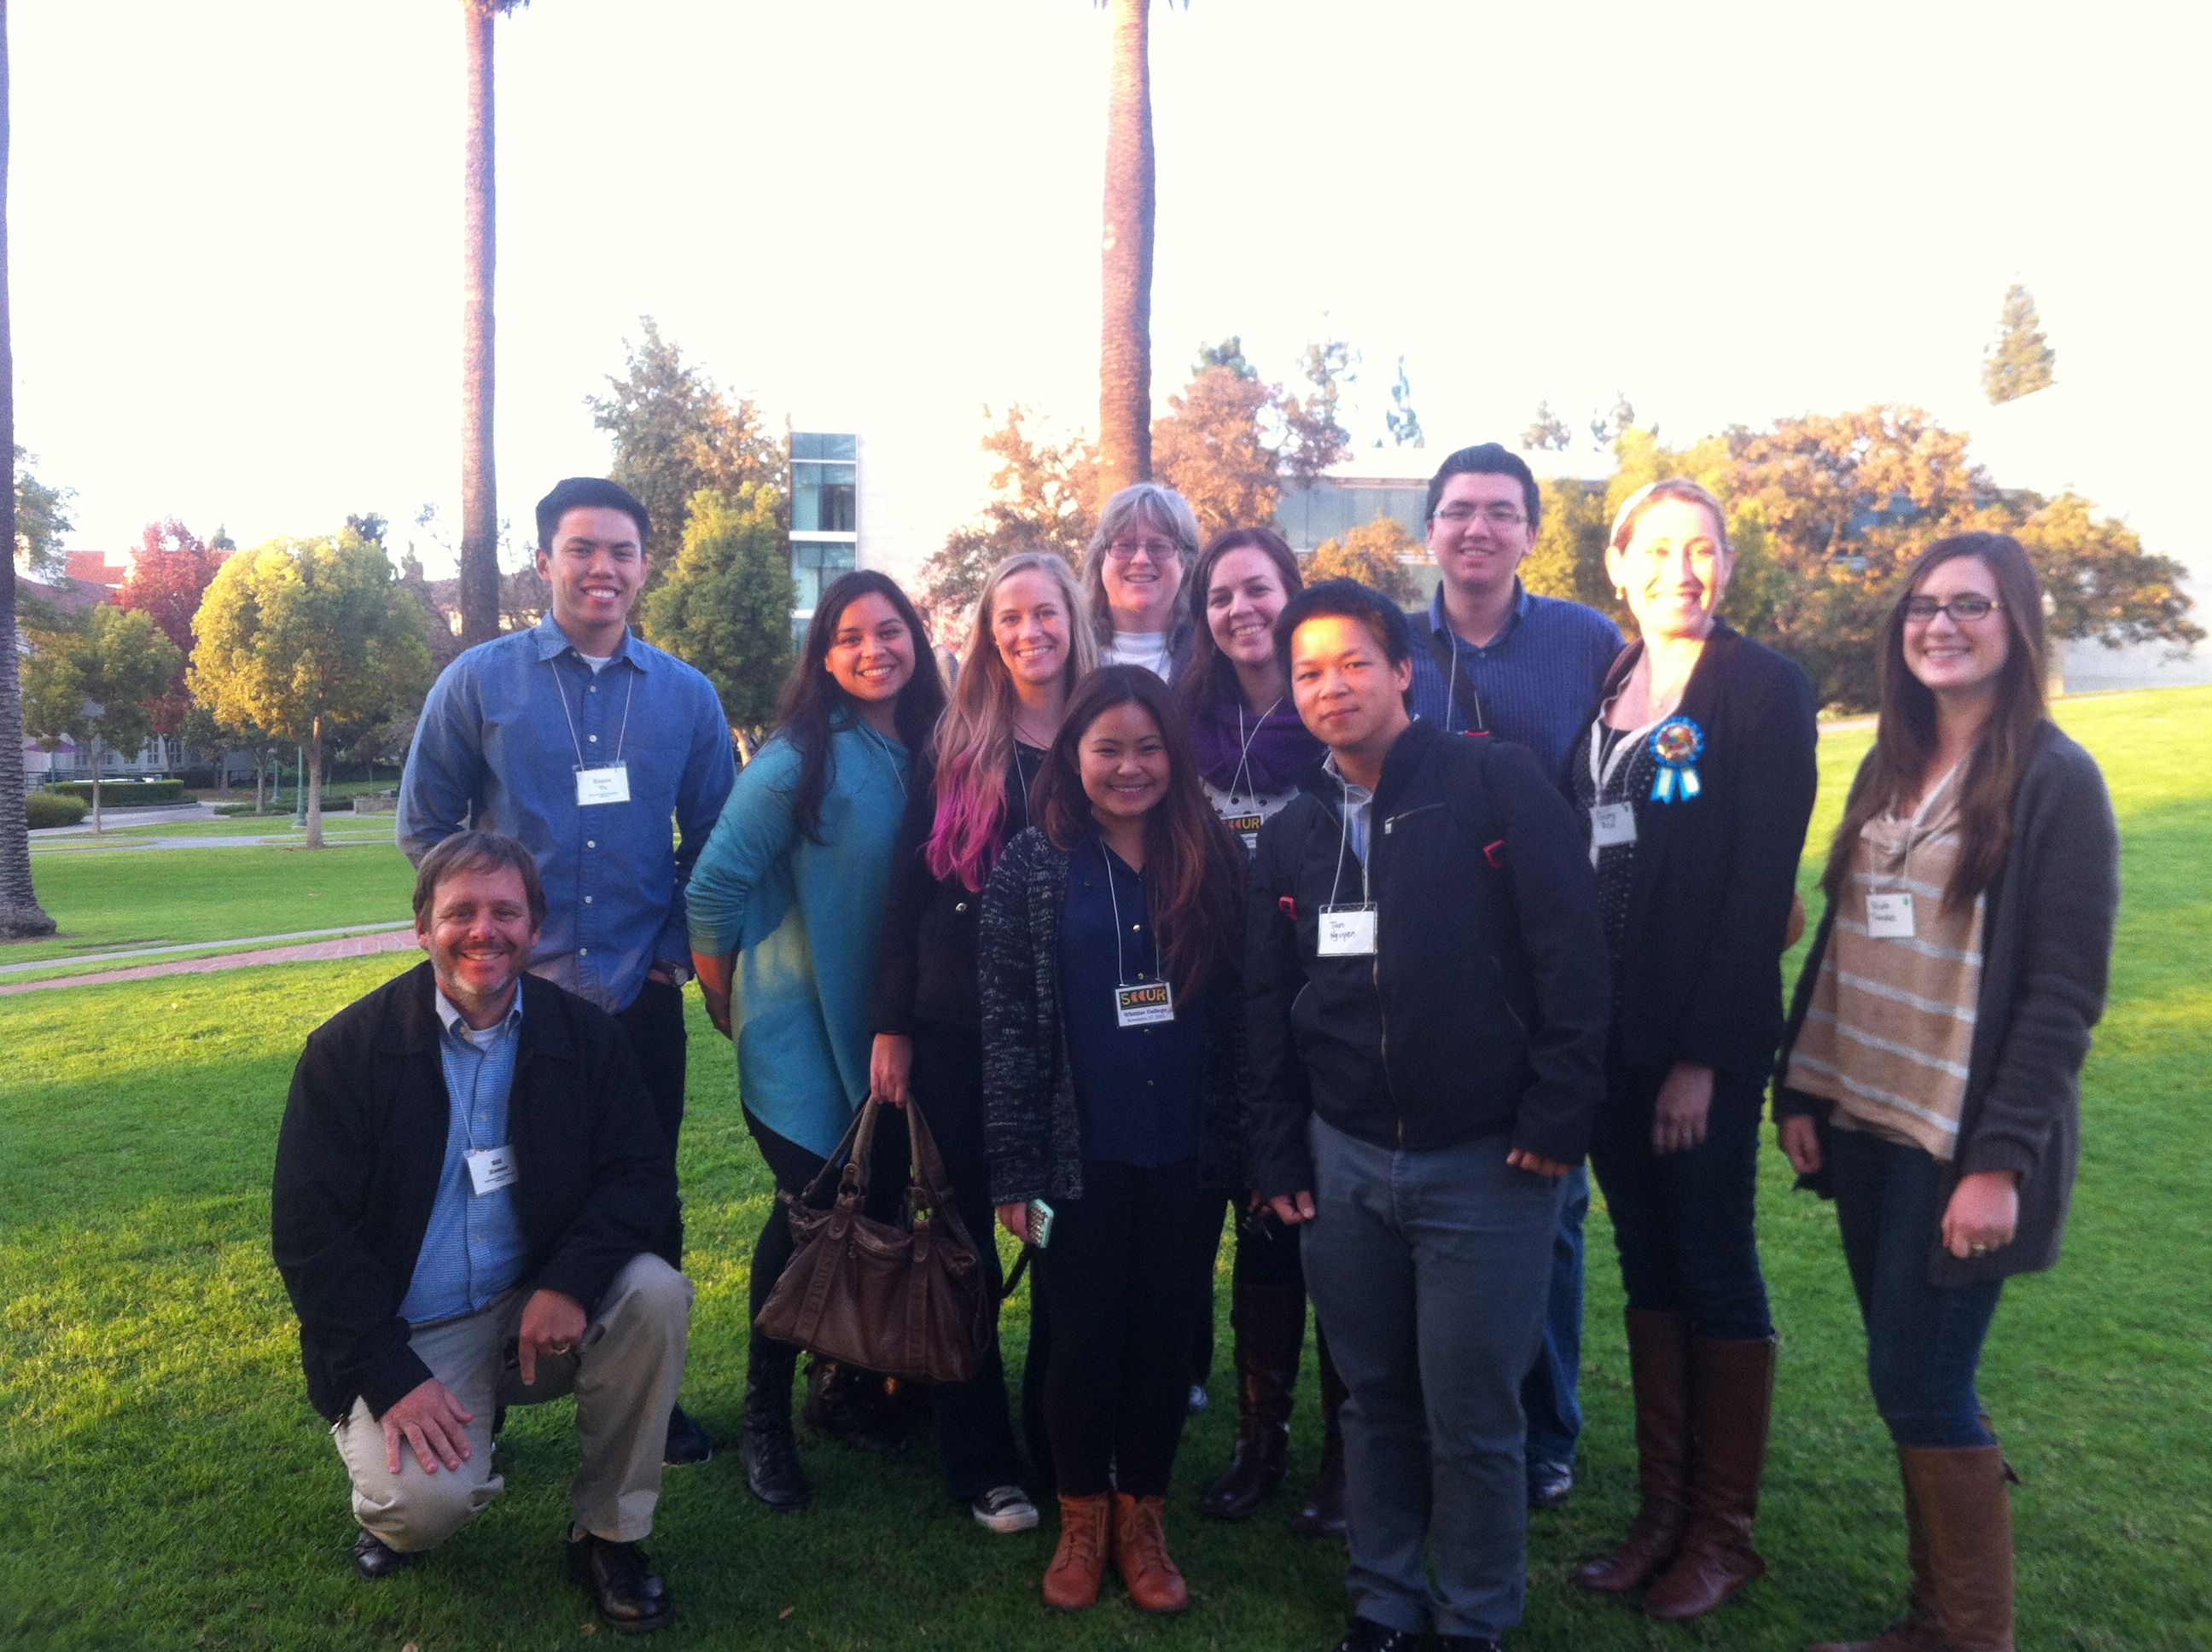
(167, 1486)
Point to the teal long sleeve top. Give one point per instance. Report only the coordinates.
(803, 920)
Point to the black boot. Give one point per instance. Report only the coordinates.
(1322, 1515)
(1269, 1321)
(850, 1405)
(768, 1449)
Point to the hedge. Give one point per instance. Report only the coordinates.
(123, 793)
(44, 809)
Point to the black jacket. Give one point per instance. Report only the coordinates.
(1483, 1011)
(363, 1139)
(1700, 962)
(2046, 956)
(1032, 1133)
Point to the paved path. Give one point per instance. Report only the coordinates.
(352, 946)
(113, 817)
(93, 960)
(108, 842)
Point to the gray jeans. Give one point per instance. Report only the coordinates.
(1429, 1271)
(624, 1375)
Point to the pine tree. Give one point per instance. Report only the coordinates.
(2019, 363)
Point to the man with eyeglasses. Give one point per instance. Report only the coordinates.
(1498, 661)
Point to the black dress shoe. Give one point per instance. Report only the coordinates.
(687, 1442)
(373, 1558)
(773, 1471)
(1466, 1643)
(631, 1599)
(1366, 1636)
(1550, 1484)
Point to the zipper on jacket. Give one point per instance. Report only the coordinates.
(1382, 1014)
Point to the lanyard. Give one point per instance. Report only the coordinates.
(1121, 964)
(619, 740)
(1630, 739)
(1445, 651)
(1344, 840)
(1242, 784)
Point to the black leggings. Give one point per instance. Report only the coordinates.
(654, 1022)
(1122, 1279)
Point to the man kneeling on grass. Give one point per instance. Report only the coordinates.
(469, 1180)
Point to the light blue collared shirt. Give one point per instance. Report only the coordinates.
(473, 1248)
(501, 736)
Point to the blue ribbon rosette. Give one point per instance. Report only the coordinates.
(1677, 743)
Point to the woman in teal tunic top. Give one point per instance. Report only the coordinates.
(786, 904)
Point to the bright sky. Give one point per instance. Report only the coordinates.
(236, 225)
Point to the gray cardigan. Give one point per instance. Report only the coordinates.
(1032, 1136)
(2047, 950)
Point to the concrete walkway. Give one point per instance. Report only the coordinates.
(352, 946)
(108, 842)
(111, 818)
(95, 960)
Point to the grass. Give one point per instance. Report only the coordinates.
(168, 1487)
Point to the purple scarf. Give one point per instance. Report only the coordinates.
(1281, 749)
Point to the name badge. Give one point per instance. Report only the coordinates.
(1889, 917)
(491, 1168)
(1246, 827)
(1347, 932)
(1145, 1004)
(609, 783)
(1612, 824)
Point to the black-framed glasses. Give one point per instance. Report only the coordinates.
(1963, 609)
(1460, 514)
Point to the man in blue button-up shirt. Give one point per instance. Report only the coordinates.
(584, 742)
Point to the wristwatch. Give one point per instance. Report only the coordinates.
(677, 972)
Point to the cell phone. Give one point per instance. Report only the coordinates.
(1040, 1223)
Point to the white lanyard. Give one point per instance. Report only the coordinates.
(1136, 1004)
(627, 691)
(1242, 784)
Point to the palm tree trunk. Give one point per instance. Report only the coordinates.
(1125, 349)
(20, 916)
(479, 491)
(315, 787)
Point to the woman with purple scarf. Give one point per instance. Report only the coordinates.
(1252, 750)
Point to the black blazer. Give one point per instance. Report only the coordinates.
(364, 1138)
(1700, 965)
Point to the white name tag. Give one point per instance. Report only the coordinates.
(607, 784)
(1347, 932)
(1145, 1004)
(1889, 917)
(1613, 824)
(491, 1168)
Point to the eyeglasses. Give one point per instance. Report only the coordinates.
(1963, 609)
(1498, 516)
(1159, 550)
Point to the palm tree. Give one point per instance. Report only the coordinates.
(1125, 345)
(20, 914)
(479, 487)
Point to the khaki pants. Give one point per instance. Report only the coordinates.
(624, 1375)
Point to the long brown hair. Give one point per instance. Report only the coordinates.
(1209, 677)
(1905, 731)
(1193, 870)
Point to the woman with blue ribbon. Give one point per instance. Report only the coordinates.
(1694, 780)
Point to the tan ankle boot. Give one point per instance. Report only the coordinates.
(1079, 1564)
(1141, 1555)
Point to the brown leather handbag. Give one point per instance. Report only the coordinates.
(907, 1298)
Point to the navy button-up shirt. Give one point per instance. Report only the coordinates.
(501, 736)
(1539, 678)
(474, 1247)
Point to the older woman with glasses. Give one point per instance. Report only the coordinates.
(1135, 570)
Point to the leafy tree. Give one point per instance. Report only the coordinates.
(675, 432)
(41, 518)
(1209, 447)
(94, 686)
(1370, 554)
(20, 914)
(2102, 582)
(1403, 423)
(168, 577)
(1606, 428)
(1568, 559)
(1229, 353)
(479, 556)
(1547, 432)
(1312, 439)
(2018, 363)
(725, 606)
(301, 635)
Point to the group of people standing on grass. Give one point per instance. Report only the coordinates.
(1200, 894)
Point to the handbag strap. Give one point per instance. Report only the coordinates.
(926, 1176)
(852, 1149)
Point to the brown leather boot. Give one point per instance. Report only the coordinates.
(1968, 1513)
(1141, 1555)
(1079, 1564)
(1658, 1371)
(1322, 1515)
(1270, 1325)
(1731, 1402)
(1916, 1630)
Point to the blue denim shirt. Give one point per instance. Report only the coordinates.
(1538, 679)
(500, 738)
(474, 1247)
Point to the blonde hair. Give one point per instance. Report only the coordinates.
(1141, 504)
(1674, 486)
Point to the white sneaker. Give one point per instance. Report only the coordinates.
(1004, 1508)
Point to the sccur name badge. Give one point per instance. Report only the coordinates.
(1246, 827)
(1346, 932)
(609, 783)
(1145, 1004)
